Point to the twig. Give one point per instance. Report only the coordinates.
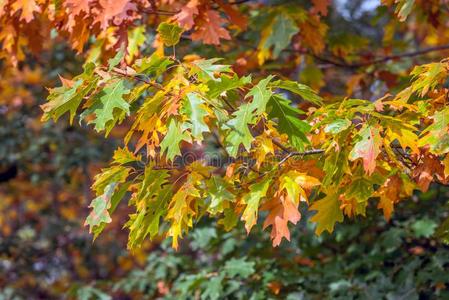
(308, 152)
(237, 2)
(283, 148)
(160, 12)
(138, 78)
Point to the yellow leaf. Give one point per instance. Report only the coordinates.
(328, 212)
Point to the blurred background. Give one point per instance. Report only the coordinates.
(46, 170)
(46, 253)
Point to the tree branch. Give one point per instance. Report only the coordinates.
(379, 60)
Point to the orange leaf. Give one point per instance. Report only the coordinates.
(209, 30)
(429, 166)
(186, 15)
(389, 194)
(116, 10)
(234, 15)
(27, 8)
(77, 6)
(320, 7)
(281, 211)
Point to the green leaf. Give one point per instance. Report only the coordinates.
(261, 94)
(100, 206)
(239, 133)
(108, 176)
(337, 126)
(66, 98)
(360, 189)
(436, 135)
(170, 143)
(230, 219)
(113, 62)
(151, 201)
(181, 210)
(116, 197)
(109, 99)
(169, 33)
(335, 165)
(218, 193)
(136, 38)
(427, 77)
(328, 212)
(424, 228)
(214, 288)
(252, 200)
(202, 238)
(404, 8)
(288, 121)
(205, 69)
(239, 267)
(300, 89)
(123, 156)
(442, 232)
(195, 110)
(226, 83)
(154, 65)
(277, 35)
(88, 293)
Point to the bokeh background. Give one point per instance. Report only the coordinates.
(46, 170)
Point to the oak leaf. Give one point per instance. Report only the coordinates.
(276, 36)
(437, 134)
(289, 121)
(169, 33)
(27, 9)
(100, 206)
(367, 148)
(208, 28)
(180, 210)
(239, 133)
(195, 108)
(77, 6)
(110, 99)
(429, 168)
(320, 6)
(234, 15)
(282, 210)
(114, 11)
(252, 200)
(328, 212)
(174, 136)
(187, 14)
(391, 193)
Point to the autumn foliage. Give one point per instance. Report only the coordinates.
(227, 109)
